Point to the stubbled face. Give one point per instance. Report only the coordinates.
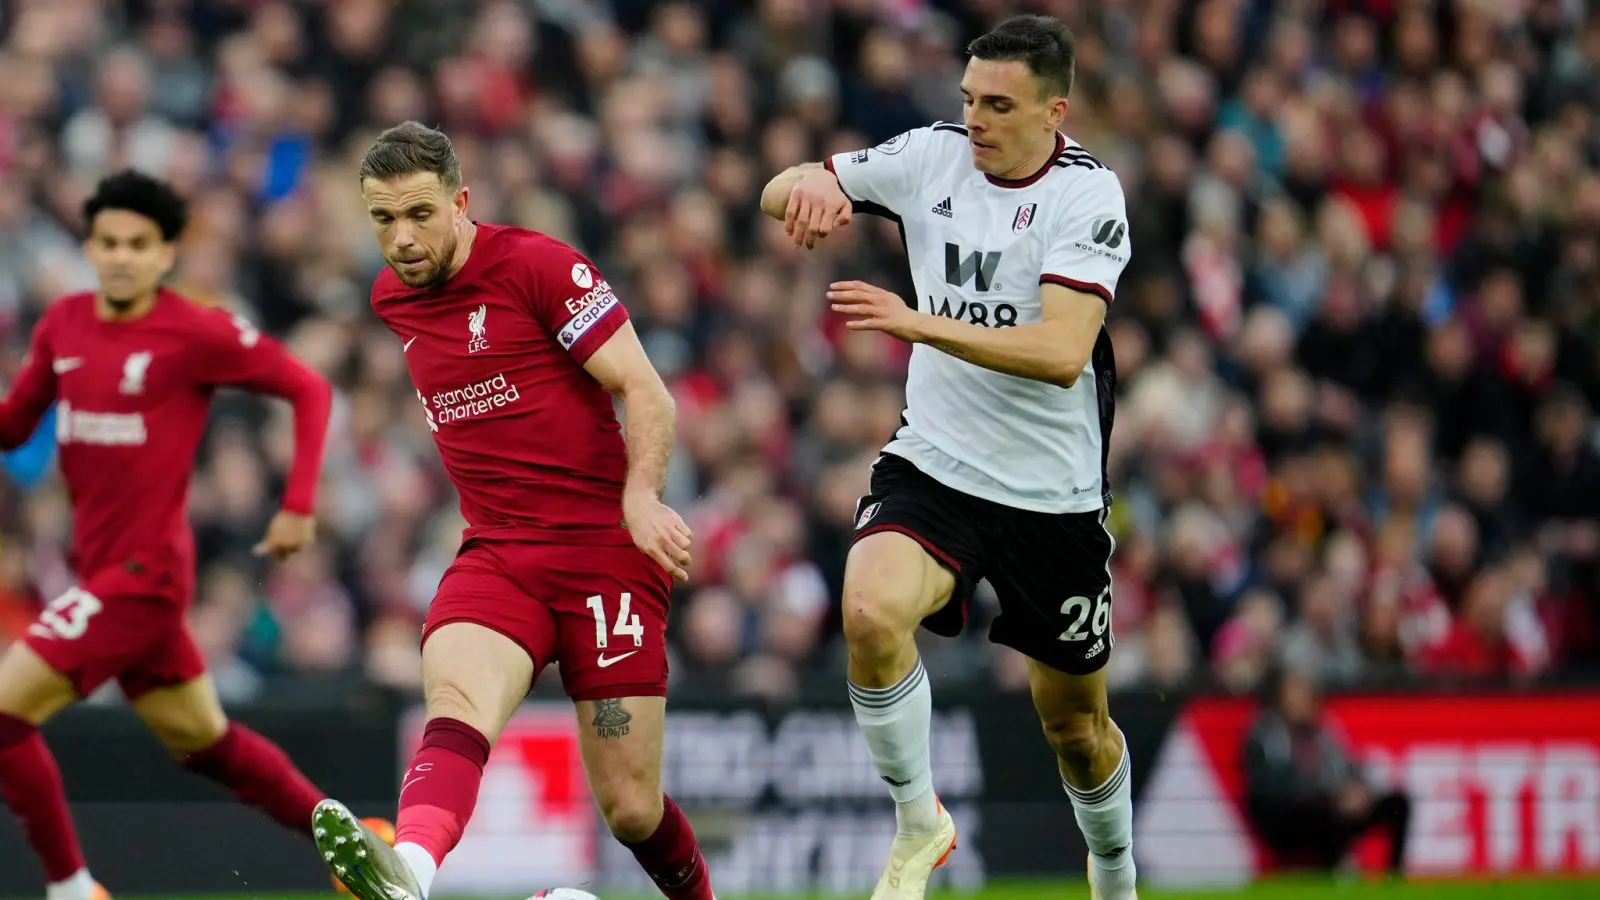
(129, 255)
(1011, 116)
(417, 220)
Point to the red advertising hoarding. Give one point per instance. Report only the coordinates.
(1500, 785)
(535, 824)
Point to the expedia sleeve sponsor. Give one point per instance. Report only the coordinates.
(587, 310)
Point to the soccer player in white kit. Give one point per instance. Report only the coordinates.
(1016, 237)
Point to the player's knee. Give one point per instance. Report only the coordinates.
(632, 815)
(29, 689)
(1077, 736)
(875, 625)
(447, 699)
(182, 735)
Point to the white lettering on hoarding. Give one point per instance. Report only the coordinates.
(1569, 814)
(800, 807)
(1541, 807)
(1503, 771)
(813, 755)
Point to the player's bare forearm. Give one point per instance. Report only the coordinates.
(649, 428)
(775, 196)
(649, 425)
(650, 416)
(1038, 352)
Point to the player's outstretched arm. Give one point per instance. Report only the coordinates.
(809, 201)
(1054, 350)
(621, 367)
(235, 354)
(35, 389)
(311, 399)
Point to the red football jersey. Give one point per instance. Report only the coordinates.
(132, 401)
(496, 352)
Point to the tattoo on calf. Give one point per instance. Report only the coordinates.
(610, 719)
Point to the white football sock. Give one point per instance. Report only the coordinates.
(1105, 816)
(421, 863)
(80, 886)
(896, 721)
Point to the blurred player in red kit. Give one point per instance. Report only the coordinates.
(517, 345)
(132, 368)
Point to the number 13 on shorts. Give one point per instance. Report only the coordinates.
(626, 625)
(67, 616)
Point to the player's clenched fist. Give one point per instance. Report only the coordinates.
(817, 206)
(659, 532)
(286, 533)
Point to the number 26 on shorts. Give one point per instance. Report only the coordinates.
(1095, 613)
(67, 616)
(626, 626)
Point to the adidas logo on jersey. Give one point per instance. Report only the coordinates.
(942, 208)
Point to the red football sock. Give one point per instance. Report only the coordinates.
(440, 788)
(671, 857)
(31, 786)
(259, 773)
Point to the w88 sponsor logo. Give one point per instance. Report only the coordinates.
(988, 315)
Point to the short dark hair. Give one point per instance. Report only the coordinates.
(136, 192)
(409, 148)
(1046, 45)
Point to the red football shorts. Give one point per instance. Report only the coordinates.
(119, 624)
(600, 613)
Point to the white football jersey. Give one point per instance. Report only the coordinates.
(980, 248)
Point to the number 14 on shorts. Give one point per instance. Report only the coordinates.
(626, 625)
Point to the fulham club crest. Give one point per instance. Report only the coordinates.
(1024, 218)
(866, 515)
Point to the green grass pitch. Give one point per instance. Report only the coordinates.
(1319, 889)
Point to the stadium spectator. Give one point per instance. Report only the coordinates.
(1306, 797)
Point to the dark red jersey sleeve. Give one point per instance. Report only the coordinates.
(234, 353)
(571, 299)
(35, 389)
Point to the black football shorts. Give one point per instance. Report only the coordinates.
(1050, 571)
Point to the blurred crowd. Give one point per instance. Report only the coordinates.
(1358, 343)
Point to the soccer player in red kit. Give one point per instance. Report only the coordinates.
(517, 345)
(132, 369)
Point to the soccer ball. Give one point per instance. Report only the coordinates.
(563, 894)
